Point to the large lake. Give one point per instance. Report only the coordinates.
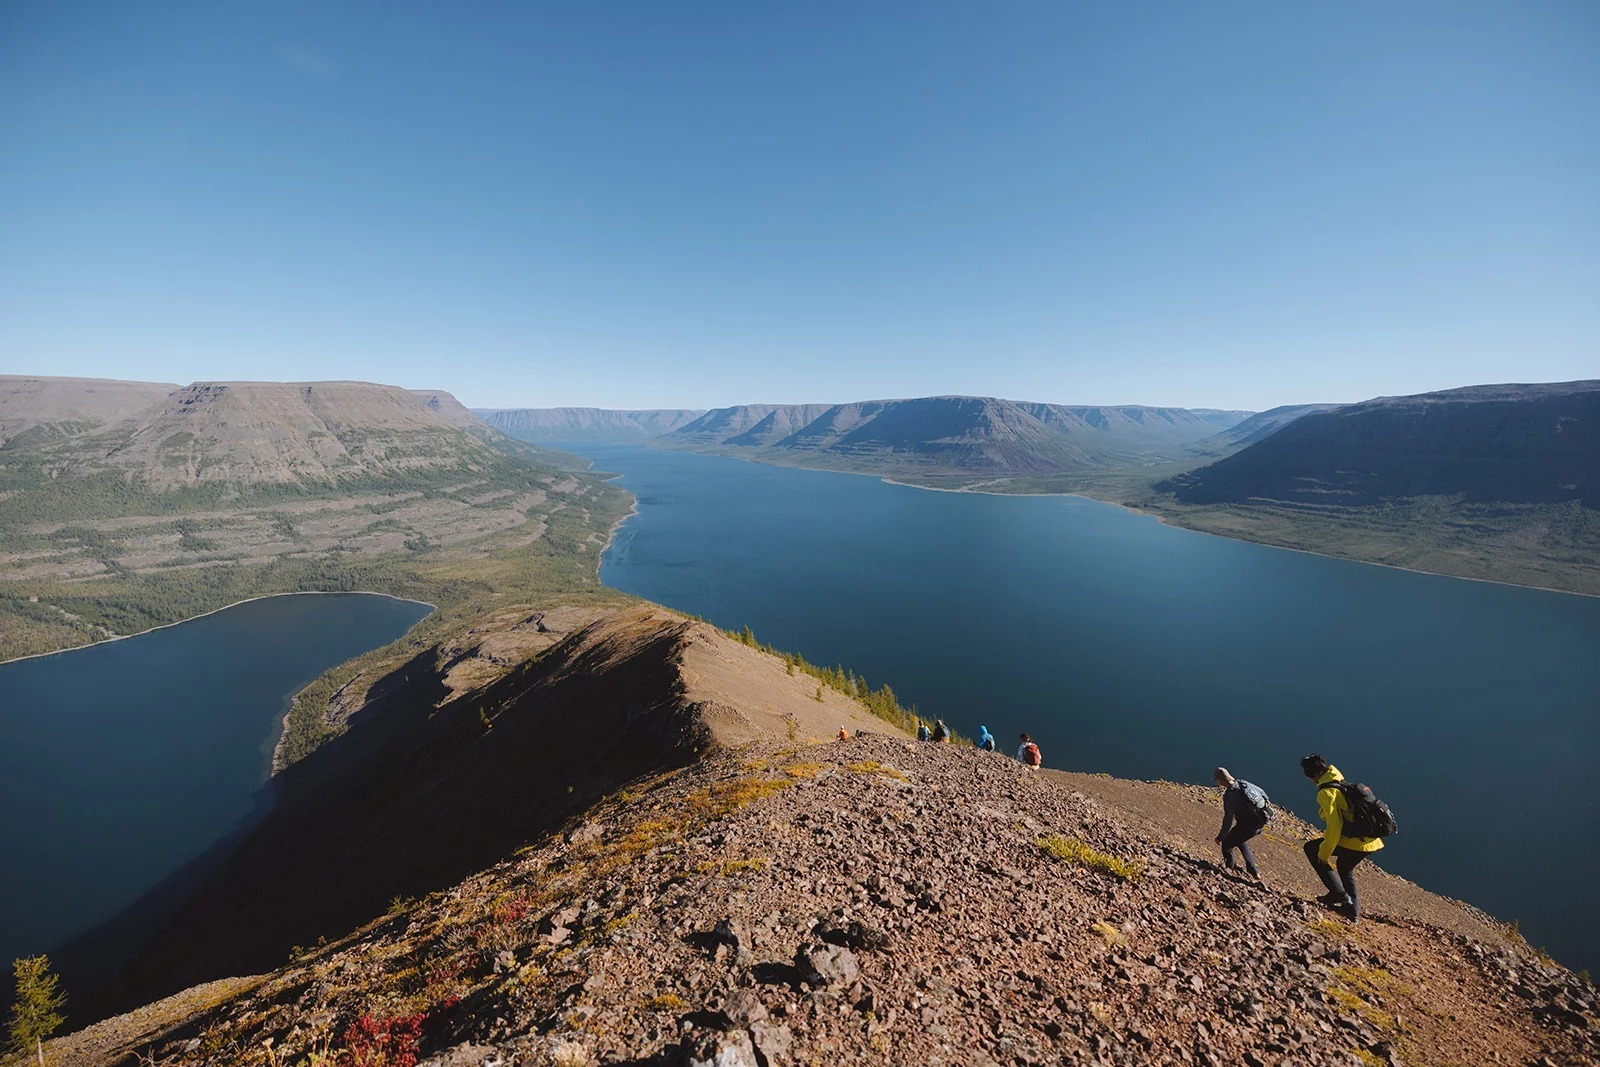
(1144, 651)
(121, 762)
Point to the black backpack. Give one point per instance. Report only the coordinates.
(1369, 816)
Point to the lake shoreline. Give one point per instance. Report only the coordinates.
(247, 600)
(887, 479)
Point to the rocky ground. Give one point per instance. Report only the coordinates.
(870, 901)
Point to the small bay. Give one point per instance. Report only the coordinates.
(1143, 651)
(124, 761)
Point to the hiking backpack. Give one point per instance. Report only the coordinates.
(1369, 816)
(1030, 754)
(987, 744)
(1258, 799)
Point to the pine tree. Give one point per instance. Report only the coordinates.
(37, 1011)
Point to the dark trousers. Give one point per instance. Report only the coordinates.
(1341, 880)
(1239, 838)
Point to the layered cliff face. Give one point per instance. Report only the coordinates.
(728, 885)
(286, 432)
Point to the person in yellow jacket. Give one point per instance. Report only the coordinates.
(1335, 855)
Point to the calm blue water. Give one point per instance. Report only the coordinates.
(1144, 651)
(121, 762)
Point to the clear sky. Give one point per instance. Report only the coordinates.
(681, 204)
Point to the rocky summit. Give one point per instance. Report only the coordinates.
(786, 900)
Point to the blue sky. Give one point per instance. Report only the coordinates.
(682, 204)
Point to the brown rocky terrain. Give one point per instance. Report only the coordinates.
(663, 857)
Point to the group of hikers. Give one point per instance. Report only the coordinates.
(1027, 751)
(1355, 821)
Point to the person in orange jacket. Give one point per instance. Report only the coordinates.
(1335, 855)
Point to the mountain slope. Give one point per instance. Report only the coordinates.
(1500, 482)
(555, 425)
(223, 491)
(471, 746)
(1520, 444)
(451, 410)
(253, 433)
(783, 901)
(56, 407)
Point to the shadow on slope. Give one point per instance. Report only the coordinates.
(427, 786)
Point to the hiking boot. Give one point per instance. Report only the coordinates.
(1333, 900)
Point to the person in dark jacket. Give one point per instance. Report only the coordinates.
(1241, 820)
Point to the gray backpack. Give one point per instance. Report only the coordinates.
(1258, 799)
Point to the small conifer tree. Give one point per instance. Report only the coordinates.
(37, 1011)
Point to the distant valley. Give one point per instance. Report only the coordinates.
(1495, 482)
(552, 425)
(942, 441)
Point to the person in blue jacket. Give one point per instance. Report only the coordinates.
(985, 739)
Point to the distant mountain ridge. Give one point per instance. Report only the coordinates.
(61, 407)
(969, 435)
(550, 425)
(1258, 427)
(1520, 444)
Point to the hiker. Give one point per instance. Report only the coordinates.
(985, 739)
(941, 732)
(922, 730)
(1346, 851)
(1028, 754)
(843, 736)
(1245, 811)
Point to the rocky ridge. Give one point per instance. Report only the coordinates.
(873, 900)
